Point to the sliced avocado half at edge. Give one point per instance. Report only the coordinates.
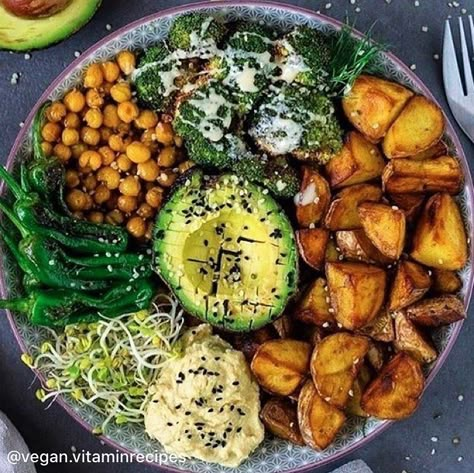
(227, 250)
(24, 34)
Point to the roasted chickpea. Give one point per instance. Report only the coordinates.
(121, 92)
(96, 217)
(109, 176)
(89, 202)
(70, 136)
(146, 211)
(154, 197)
(94, 118)
(62, 152)
(111, 71)
(94, 99)
(75, 101)
(90, 136)
(126, 61)
(56, 112)
(72, 178)
(76, 200)
(146, 119)
(127, 111)
(136, 227)
(90, 159)
(124, 128)
(185, 166)
(123, 163)
(94, 76)
(111, 118)
(130, 186)
(108, 156)
(78, 149)
(47, 148)
(106, 88)
(90, 182)
(178, 141)
(164, 133)
(114, 217)
(148, 170)
(167, 157)
(127, 203)
(72, 120)
(51, 132)
(102, 194)
(105, 134)
(166, 178)
(116, 143)
(138, 153)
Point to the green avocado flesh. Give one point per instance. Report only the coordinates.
(24, 34)
(227, 250)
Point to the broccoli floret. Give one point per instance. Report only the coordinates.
(251, 38)
(154, 78)
(196, 32)
(296, 120)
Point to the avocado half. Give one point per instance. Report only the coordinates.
(24, 34)
(227, 250)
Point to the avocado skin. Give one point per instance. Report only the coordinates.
(25, 34)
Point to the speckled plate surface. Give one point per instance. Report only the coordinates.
(273, 455)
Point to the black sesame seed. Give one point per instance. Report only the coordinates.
(187, 413)
(236, 383)
(169, 424)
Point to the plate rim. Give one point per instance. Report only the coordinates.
(176, 10)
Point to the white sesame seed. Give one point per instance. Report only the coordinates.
(460, 459)
(413, 67)
(328, 6)
(27, 56)
(434, 439)
(352, 2)
(436, 57)
(456, 440)
(424, 29)
(417, 3)
(108, 27)
(463, 11)
(77, 53)
(357, 10)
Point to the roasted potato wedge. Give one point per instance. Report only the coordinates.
(419, 126)
(410, 284)
(443, 310)
(347, 282)
(318, 420)
(440, 237)
(281, 419)
(353, 406)
(376, 356)
(335, 363)
(406, 176)
(411, 204)
(284, 326)
(313, 199)
(312, 244)
(358, 161)
(281, 365)
(342, 213)
(438, 149)
(395, 393)
(373, 104)
(314, 306)
(381, 328)
(385, 226)
(332, 252)
(355, 246)
(446, 282)
(410, 340)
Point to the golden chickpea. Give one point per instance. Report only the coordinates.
(47, 148)
(94, 76)
(75, 101)
(136, 227)
(106, 88)
(102, 194)
(94, 118)
(56, 112)
(127, 203)
(138, 153)
(90, 182)
(105, 134)
(62, 152)
(108, 156)
(148, 170)
(146, 119)
(90, 136)
(123, 163)
(96, 217)
(185, 166)
(76, 199)
(90, 159)
(94, 99)
(109, 176)
(154, 197)
(127, 111)
(78, 149)
(121, 92)
(130, 186)
(167, 157)
(166, 178)
(72, 120)
(126, 61)
(146, 211)
(72, 178)
(70, 136)
(111, 71)
(124, 128)
(51, 132)
(114, 217)
(111, 118)
(178, 141)
(89, 202)
(116, 143)
(164, 133)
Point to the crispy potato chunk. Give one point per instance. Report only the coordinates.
(395, 392)
(381, 328)
(314, 306)
(440, 237)
(405, 176)
(358, 161)
(410, 340)
(411, 204)
(347, 283)
(284, 326)
(342, 213)
(281, 419)
(312, 244)
(385, 226)
(443, 310)
(332, 252)
(373, 104)
(281, 365)
(410, 284)
(313, 199)
(319, 421)
(353, 406)
(419, 126)
(335, 363)
(355, 246)
(438, 149)
(446, 282)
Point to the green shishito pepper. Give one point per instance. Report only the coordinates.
(61, 307)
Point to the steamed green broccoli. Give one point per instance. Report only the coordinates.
(251, 38)
(296, 120)
(196, 32)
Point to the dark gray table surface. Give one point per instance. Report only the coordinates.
(439, 438)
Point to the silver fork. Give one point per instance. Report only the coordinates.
(461, 99)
